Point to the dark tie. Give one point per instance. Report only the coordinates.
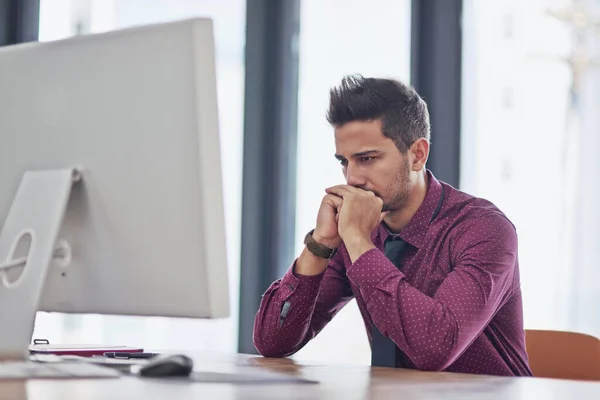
(383, 349)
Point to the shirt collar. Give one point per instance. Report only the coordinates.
(414, 232)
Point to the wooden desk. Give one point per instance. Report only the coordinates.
(335, 382)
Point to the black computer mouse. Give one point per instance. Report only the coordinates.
(164, 366)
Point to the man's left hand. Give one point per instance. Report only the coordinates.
(358, 217)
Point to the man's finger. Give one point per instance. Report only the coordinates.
(383, 215)
(341, 190)
(334, 200)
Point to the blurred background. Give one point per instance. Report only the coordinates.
(514, 93)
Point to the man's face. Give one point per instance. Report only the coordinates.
(372, 162)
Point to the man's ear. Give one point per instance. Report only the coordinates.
(420, 152)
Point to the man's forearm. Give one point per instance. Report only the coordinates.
(294, 309)
(310, 265)
(432, 331)
(284, 316)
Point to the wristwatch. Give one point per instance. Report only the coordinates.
(318, 249)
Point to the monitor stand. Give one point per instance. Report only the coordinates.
(35, 217)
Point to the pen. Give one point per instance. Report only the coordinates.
(129, 355)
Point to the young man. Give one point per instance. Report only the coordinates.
(434, 270)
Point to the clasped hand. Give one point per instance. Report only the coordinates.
(359, 214)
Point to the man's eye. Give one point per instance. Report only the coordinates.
(343, 162)
(366, 159)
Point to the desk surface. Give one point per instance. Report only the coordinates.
(334, 382)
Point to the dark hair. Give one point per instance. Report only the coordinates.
(403, 114)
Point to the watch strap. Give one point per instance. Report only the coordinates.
(318, 249)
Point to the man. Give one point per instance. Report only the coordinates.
(434, 270)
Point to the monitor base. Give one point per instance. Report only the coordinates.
(34, 220)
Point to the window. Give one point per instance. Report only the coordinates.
(339, 38)
(530, 141)
(64, 18)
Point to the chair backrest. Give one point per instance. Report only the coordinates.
(564, 355)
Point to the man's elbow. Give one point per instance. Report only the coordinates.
(269, 348)
(268, 351)
(264, 347)
(439, 355)
(434, 362)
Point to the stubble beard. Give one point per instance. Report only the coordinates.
(400, 188)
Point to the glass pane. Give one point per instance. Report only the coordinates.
(59, 19)
(530, 141)
(338, 38)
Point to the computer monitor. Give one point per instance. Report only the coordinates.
(110, 178)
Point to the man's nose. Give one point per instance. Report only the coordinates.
(354, 177)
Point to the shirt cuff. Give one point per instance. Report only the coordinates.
(370, 269)
(303, 285)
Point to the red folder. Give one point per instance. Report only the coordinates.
(83, 350)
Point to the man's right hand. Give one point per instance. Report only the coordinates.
(326, 233)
